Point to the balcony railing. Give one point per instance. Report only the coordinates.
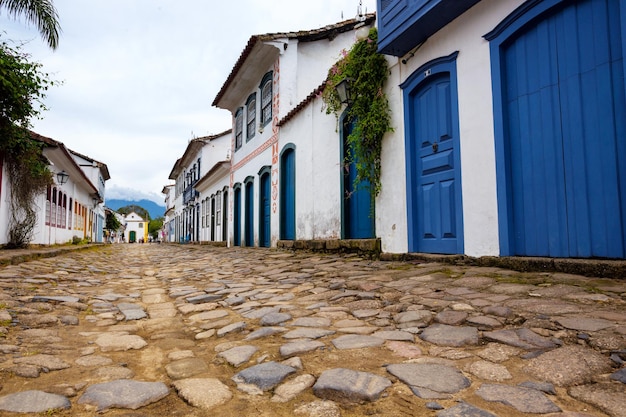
(190, 194)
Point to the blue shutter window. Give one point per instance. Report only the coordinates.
(238, 128)
(266, 99)
(251, 116)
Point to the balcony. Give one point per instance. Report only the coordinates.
(189, 195)
(404, 24)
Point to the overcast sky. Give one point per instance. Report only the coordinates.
(139, 76)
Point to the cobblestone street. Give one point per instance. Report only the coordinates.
(182, 330)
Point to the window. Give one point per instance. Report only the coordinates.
(53, 206)
(238, 128)
(266, 99)
(69, 220)
(64, 216)
(206, 201)
(203, 213)
(218, 208)
(140, 225)
(251, 116)
(48, 202)
(59, 208)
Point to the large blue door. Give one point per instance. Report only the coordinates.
(237, 217)
(264, 211)
(434, 192)
(358, 211)
(249, 214)
(565, 133)
(288, 195)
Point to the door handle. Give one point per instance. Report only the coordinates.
(435, 147)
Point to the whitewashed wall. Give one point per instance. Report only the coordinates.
(318, 172)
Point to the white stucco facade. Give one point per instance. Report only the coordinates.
(200, 174)
(298, 64)
(135, 228)
(65, 212)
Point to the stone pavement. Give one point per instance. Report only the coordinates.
(145, 330)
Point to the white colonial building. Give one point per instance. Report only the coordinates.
(200, 193)
(71, 208)
(135, 228)
(287, 174)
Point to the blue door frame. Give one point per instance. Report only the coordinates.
(433, 163)
(249, 212)
(288, 193)
(560, 133)
(225, 216)
(358, 212)
(237, 215)
(265, 206)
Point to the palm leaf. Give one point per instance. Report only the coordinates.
(39, 12)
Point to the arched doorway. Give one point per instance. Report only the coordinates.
(435, 215)
(288, 193)
(358, 210)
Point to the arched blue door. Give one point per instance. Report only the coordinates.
(358, 212)
(288, 194)
(264, 209)
(249, 214)
(433, 162)
(237, 217)
(564, 132)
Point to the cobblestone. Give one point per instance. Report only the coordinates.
(182, 329)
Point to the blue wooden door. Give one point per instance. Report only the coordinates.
(264, 211)
(237, 217)
(249, 215)
(225, 217)
(436, 207)
(358, 212)
(288, 195)
(565, 134)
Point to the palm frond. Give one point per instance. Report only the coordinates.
(39, 12)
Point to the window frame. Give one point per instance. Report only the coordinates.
(250, 116)
(239, 128)
(267, 81)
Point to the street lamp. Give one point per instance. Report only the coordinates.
(62, 177)
(343, 91)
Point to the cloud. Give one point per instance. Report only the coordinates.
(116, 192)
(139, 76)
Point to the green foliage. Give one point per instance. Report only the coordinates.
(155, 226)
(40, 12)
(142, 212)
(112, 222)
(77, 240)
(22, 89)
(367, 71)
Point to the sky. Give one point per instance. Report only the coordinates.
(136, 79)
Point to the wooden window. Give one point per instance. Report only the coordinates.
(266, 99)
(218, 208)
(69, 220)
(48, 202)
(53, 207)
(238, 128)
(251, 116)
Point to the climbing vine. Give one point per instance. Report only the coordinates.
(367, 72)
(22, 87)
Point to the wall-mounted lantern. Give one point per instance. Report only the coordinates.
(344, 90)
(62, 177)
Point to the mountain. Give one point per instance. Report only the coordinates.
(155, 210)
